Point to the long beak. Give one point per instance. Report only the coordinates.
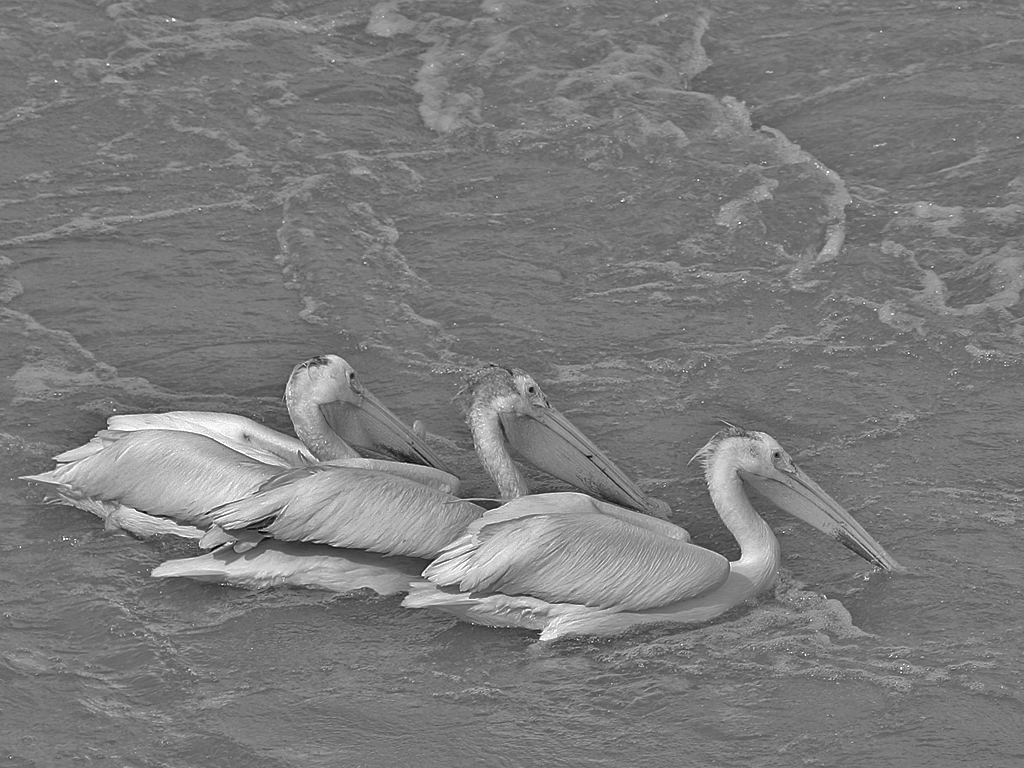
(795, 492)
(372, 427)
(550, 442)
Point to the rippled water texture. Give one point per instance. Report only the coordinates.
(802, 217)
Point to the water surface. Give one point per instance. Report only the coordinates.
(801, 217)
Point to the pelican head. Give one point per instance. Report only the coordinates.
(508, 408)
(765, 466)
(329, 385)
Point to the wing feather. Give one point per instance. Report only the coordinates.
(175, 474)
(352, 507)
(580, 555)
(239, 433)
(437, 479)
(573, 503)
(274, 563)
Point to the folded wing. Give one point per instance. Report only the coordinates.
(351, 507)
(564, 548)
(239, 433)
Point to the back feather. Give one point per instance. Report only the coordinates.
(180, 475)
(352, 507)
(586, 558)
(238, 433)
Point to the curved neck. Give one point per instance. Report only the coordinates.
(315, 433)
(492, 449)
(760, 556)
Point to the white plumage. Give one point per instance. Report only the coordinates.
(560, 564)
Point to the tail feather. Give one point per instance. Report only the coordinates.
(115, 516)
(552, 620)
(488, 610)
(44, 477)
(275, 563)
(449, 567)
(99, 441)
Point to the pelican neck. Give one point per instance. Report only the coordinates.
(492, 449)
(313, 429)
(759, 548)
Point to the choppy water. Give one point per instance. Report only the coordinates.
(803, 217)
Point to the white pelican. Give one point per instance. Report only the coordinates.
(354, 509)
(566, 564)
(162, 473)
(508, 408)
(332, 414)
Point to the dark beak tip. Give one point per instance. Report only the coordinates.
(880, 558)
(894, 567)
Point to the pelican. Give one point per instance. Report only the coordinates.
(508, 409)
(567, 564)
(155, 474)
(332, 414)
(347, 508)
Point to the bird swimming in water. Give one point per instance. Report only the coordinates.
(566, 564)
(347, 509)
(508, 410)
(334, 417)
(154, 474)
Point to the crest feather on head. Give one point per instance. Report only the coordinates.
(478, 380)
(705, 454)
